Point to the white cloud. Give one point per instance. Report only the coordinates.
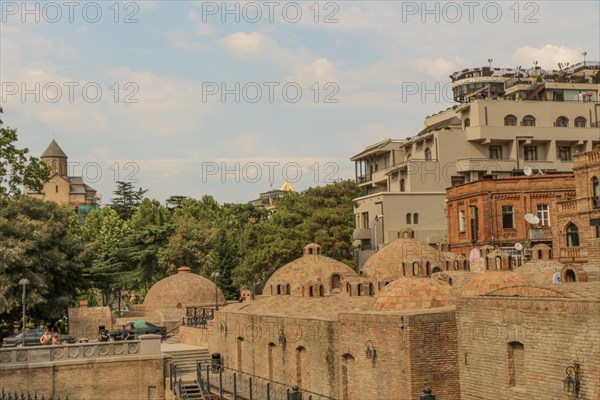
(547, 56)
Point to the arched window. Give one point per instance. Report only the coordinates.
(335, 281)
(270, 351)
(278, 290)
(415, 218)
(562, 121)
(510, 120)
(428, 268)
(498, 262)
(596, 192)
(467, 122)
(529, 120)
(321, 291)
(271, 290)
(348, 377)
(311, 292)
(349, 289)
(408, 218)
(570, 275)
(371, 289)
(240, 342)
(288, 289)
(435, 270)
(402, 185)
(56, 188)
(300, 364)
(427, 154)
(580, 122)
(516, 364)
(572, 235)
(415, 269)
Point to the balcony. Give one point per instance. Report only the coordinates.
(569, 205)
(361, 234)
(573, 253)
(540, 234)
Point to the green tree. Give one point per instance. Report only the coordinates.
(17, 169)
(222, 258)
(37, 242)
(126, 199)
(105, 233)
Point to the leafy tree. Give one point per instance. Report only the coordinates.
(222, 258)
(105, 232)
(174, 201)
(127, 199)
(17, 168)
(37, 243)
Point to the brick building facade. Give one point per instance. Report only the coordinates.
(492, 212)
(577, 233)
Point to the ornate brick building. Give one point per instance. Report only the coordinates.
(492, 212)
(577, 233)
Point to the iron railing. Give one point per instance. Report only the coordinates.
(239, 385)
(14, 395)
(198, 317)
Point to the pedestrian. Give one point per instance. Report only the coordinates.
(56, 327)
(125, 333)
(46, 338)
(56, 340)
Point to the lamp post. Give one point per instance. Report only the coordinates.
(584, 54)
(24, 282)
(216, 276)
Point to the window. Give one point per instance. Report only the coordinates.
(408, 218)
(562, 122)
(516, 364)
(428, 154)
(288, 289)
(462, 219)
(528, 120)
(508, 217)
(543, 213)
(474, 219)
(415, 218)
(580, 122)
(56, 188)
(564, 153)
(530, 153)
(510, 120)
(596, 192)
(572, 236)
(335, 281)
(371, 289)
(495, 152)
(467, 122)
(597, 230)
(365, 220)
(402, 185)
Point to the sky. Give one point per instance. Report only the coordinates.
(233, 98)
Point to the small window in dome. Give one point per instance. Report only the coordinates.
(321, 291)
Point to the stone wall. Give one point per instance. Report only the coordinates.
(132, 370)
(554, 334)
(84, 321)
(329, 357)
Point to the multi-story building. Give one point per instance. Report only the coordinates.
(507, 121)
(577, 232)
(267, 200)
(63, 189)
(495, 213)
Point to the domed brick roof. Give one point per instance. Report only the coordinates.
(386, 264)
(311, 267)
(489, 281)
(414, 294)
(184, 289)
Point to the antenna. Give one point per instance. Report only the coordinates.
(518, 246)
(527, 170)
(532, 219)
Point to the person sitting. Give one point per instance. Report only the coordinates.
(56, 340)
(46, 338)
(125, 334)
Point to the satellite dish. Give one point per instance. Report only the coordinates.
(527, 170)
(556, 278)
(532, 219)
(518, 246)
(474, 255)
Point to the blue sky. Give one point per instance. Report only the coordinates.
(179, 139)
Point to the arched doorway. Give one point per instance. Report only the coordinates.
(347, 377)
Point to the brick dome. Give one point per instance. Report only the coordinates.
(311, 267)
(184, 289)
(414, 294)
(386, 264)
(489, 281)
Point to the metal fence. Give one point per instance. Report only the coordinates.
(244, 386)
(198, 317)
(4, 395)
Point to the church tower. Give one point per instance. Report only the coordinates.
(56, 158)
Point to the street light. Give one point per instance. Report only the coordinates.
(572, 385)
(584, 54)
(24, 282)
(216, 275)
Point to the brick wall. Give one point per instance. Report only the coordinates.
(555, 333)
(84, 321)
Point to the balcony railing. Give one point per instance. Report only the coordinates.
(568, 205)
(540, 234)
(573, 252)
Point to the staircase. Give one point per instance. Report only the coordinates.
(186, 359)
